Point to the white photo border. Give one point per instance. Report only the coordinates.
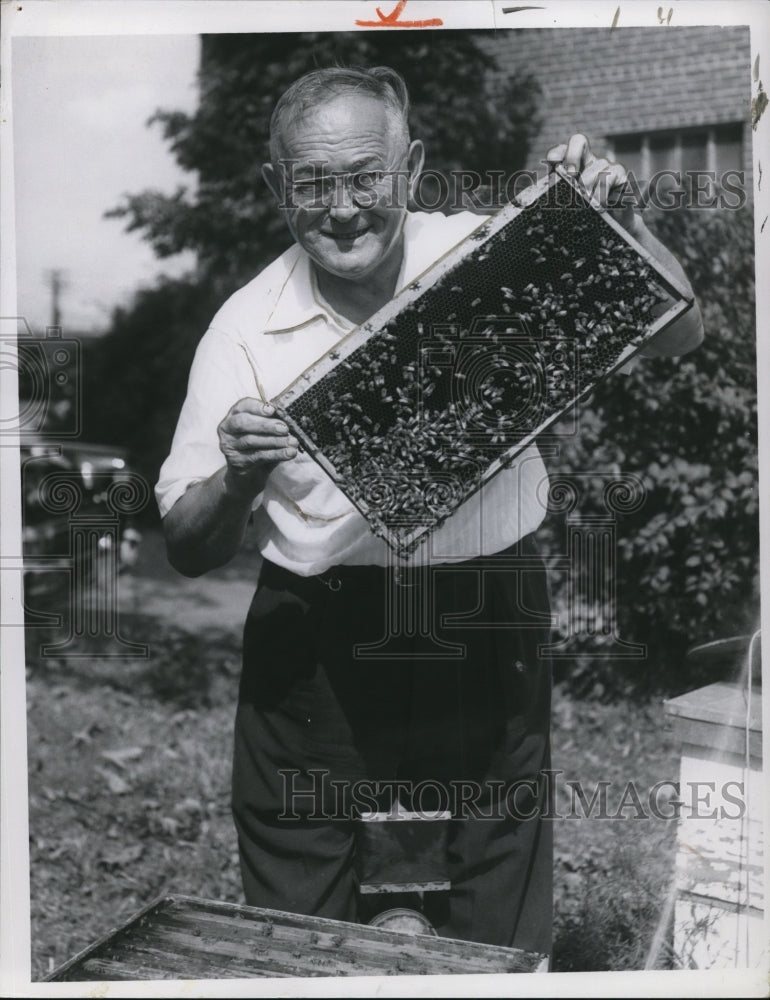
(137, 17)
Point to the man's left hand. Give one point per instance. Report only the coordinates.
(602, 178)
(605, 181)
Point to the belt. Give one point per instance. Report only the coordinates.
(335, 579)
(344, 577)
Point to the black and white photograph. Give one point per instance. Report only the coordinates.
(382, 539)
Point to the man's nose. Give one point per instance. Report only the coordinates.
(343, 205)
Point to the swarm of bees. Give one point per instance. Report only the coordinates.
(455, 383)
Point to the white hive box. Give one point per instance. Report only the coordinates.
(719, 916)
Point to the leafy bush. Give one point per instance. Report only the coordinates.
(687, 559)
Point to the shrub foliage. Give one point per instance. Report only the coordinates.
(687, 558)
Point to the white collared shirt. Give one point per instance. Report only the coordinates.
(264, 337)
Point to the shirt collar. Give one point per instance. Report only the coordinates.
(300, 302)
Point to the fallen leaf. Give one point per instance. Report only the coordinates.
(119, 757)
(188, 805)
(83, 735)
(121, 856)
(116, 784)
(169, 825)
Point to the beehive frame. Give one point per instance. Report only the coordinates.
(416, 409)
(187, 938)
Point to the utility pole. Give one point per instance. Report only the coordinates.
(55, 281)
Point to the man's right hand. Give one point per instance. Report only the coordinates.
(205, 527)
(253, 440)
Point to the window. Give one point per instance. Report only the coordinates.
(714, 148)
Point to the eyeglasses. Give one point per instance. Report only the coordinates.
(365, 187)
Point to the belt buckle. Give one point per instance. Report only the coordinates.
(403, 576)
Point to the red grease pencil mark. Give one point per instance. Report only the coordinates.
(391, 20)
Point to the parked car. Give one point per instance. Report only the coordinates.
(65, 486)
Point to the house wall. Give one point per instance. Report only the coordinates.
(610, 82)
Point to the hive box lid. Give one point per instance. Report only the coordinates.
(717, 717)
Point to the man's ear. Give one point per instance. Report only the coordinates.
(270, 178)
(415, 162)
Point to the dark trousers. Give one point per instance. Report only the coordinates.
(320, 718)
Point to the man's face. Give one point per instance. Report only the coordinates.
(349, 233)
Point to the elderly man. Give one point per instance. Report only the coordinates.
(316, 720)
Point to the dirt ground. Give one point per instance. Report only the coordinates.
(129, 761)
(218, 600)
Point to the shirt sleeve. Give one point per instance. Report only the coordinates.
(219, 377)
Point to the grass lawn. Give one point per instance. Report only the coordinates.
(129, 770)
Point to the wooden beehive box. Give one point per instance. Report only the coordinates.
(181, 937)
(415, 410)
(719, 918)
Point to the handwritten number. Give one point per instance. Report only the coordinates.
(668, 18)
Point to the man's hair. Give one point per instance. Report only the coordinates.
(320, 85)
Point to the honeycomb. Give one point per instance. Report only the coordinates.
(416, 409)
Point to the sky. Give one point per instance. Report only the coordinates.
(81, 141)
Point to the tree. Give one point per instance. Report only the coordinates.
(469, 115)
(135, 378)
